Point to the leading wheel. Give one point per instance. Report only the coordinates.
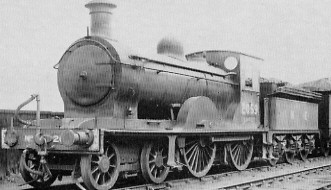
(153, 161)
(32, 160)
(199, 155)
(240, 154)
(100, 172)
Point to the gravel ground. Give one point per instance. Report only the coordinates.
(311, 182)
(13, 183)
(300, 183)
(304, 182)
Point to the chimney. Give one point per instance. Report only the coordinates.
(101, 17)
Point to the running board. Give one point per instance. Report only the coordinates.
(231, 138)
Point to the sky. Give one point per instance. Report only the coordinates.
(293, 37)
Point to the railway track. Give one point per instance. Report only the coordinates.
(243, 180)
(265, 182)
(261, 177)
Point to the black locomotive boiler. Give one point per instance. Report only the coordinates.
(127, 114)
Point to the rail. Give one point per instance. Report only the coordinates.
(268, 180)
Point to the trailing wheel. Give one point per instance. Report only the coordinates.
(100, 172)
(32, 160)
(240, 154)
(199, 155)
(153, 161)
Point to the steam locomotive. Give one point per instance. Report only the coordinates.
(127, 114)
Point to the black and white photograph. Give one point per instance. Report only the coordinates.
(165, 95)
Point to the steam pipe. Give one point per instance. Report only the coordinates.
(33, 96)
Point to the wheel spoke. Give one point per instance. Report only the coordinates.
(191, 148)
(95, 162)
(103, 179)
(235, 146)
(208, 153)
(200, 165)
(155, 172)
(112, 165)
(97, 177)
(95, 169)
(106, 151)
(199, 155)
(236, 153)
(153, 167)
(189, 143)
(111, 156)
(152, 161)
(93, 172)
(204, 158)
(192, 154)
(196, 157)
(240, 154)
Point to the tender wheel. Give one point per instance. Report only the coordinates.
(153, 161)
(304, 150)
(303, 154)
(199, 155)
(272, 161)
(325, 149)
(32, 160)
(100, 172)
(289, 154)
(274, 153)
(240, 154)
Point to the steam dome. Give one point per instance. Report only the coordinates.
(171, 47)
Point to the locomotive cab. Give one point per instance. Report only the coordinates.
(250, 90)
(243, 71)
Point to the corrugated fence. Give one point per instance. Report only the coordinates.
(9, 159)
